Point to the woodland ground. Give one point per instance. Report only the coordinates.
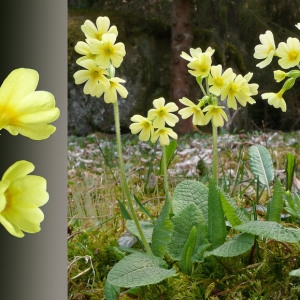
(95, 222)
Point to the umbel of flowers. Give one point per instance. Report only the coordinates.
(289, 57)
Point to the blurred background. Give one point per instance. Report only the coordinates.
(156, 31)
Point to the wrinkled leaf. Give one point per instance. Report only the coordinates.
(139, 269)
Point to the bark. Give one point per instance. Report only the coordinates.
(182, 36)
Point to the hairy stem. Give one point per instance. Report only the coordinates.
(124, 184)
(166, 185)
(215, 153)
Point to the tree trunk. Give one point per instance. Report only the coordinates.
(182, 35)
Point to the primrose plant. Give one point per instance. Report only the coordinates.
(192, 224)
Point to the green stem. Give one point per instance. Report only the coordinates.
(166, 186)
(215, 153)
(124, 180)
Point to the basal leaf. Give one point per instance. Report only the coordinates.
(186, 263)
(139, 269)
(111, 291)
(270, 230)
(232, 212)
(289, 170)
(147, 228)
(238, 245)
(162, 231)
(191, 191)
(183, 223)
(216, 220)
(276, 204)
(261, 164)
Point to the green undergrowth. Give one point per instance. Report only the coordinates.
(95, 222)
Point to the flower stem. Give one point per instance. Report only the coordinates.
(215, 152)
(166, 186)
(125, 188)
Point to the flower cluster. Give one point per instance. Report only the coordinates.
(289, 57)
(25, 111)
(100, 56)
(226, 85)
(154, 126)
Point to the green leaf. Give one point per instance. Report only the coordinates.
(147, 228)
(183, 223)
(276, 204)
(139, 269)
(216, 221)
(162, 231)
(293, 204)
(295, 273)
(186, 263)
(289, 170)
(240, 244)
(124, 211)
(111, 291)
(190, 191)
(270, 230)
(170, 150)
(232, 212)
(142, 207)
(261, 164)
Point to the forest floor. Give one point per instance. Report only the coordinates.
(94, 217)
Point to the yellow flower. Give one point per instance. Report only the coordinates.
(96, 32)
(26, 111)
(84, 49)
(110, 95)
(21, 195)
(162, 113)
(94, 76)
(275, 99)
(107, 51)
(192, 110)
(196, 53)
(216, 114)
(141, 125)
(200, 67)
(266, 50)
(162, 134)
(289, 53)
(217, 80)
(298, 25)
(238, 89)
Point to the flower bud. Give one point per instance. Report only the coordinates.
(279, 75)
(288, 84)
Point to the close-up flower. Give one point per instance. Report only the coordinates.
(162, 113)
(289, 53)
(93, 31)
(107, 51)
(217, 80)
(23, 110)
(94, 76)
(191, 109)
(238, 89)
(163, 135)
(21, 195)
(84, 49)
(266, 50)
(196, 53)
(216, 114)
(200, 67)
(142, 126)
(110, 94)
(275, 99)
